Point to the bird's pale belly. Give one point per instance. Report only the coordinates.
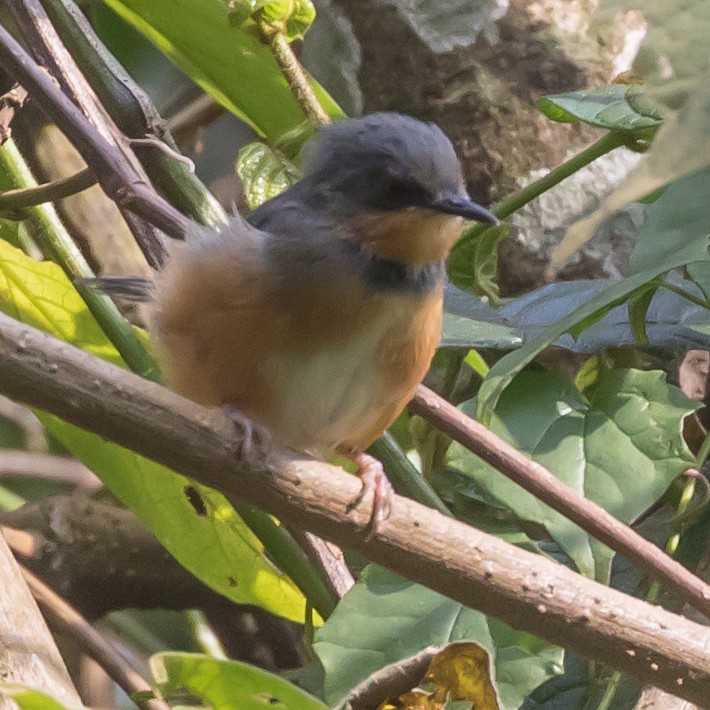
(346, 393)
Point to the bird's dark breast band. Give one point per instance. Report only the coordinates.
(394, 276)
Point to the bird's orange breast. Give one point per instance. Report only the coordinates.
(328, 367)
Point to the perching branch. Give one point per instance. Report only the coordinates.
(590, 517)
(524, 590)
(536, 479)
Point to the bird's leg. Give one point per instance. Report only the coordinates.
(255, 445)
(374, 480)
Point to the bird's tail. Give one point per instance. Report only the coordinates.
(131, 288)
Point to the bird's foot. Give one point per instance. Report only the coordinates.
(255, 445)
(375, 481)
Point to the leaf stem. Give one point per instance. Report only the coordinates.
(404, 475)
(685, 294)
(608, 142)
(297, 80)
(58, 245)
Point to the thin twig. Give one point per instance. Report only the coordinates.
(116, 175)
(46, 46)
(28, 464)
(526, 591)
(57, 244)
(536, 479)
(23, 543)
(133, 112)
(66, 617)
(13, 200)
(189, 119)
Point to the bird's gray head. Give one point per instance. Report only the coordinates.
(387, 161)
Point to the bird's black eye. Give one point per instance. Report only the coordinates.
(398, 194)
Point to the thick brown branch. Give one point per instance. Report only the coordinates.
(536, 479)
(526, 591)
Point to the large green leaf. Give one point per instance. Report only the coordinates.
(670, 320)
(226, 58)
(615, 107)
(227, 685)
(469, 322)
(676, 233)
(677, 226)
(217, 547)
(384, 619)
(622, 449)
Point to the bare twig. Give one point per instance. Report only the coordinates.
(42, 39)
(12, 200)
(116, 175)
(67, 618)
(47, 467)
(134, 113)
(186, 123)
(536, 479)
(21, 542)
(525, 590)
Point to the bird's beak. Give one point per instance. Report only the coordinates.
(465, 207)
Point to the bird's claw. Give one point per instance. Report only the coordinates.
(375, 481)
(255, 444)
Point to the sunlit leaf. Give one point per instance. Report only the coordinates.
(217, 547)
(228, 60)
(227, 685)
(264, 172)
(30, 699)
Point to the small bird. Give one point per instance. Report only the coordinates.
(319, 316)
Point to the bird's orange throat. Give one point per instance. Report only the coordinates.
(413, 237)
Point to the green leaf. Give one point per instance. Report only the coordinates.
(264, 172)
(227, 685)
(228, 61)
(290, 17)
(676, 230)
(503, 372)
(29, 699)
(384, 619)
(471, 323)
(616, 107)
(674, 60)
(474, 262)
(621, 448)
(216, 547)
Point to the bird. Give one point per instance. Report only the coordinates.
(318, 315)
